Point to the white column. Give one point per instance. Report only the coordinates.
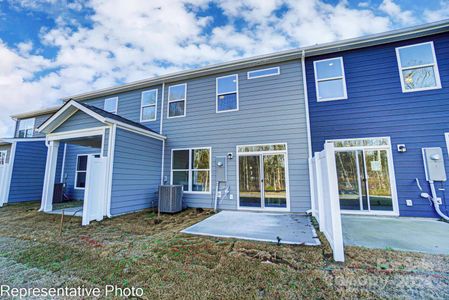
(49, 178)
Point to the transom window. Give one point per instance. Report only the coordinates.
(227, 93)
(110, 105)
(361, 142)
(258, 148)
(330, 79)
(148, 107)
(177, 100)
(3, 155)
(191, 169)
(26, 128)
(81, 171)
(263, 73)
(418, 67)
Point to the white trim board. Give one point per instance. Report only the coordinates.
(262, 153)
(341, 77)
(47, 126)
(177, 100)
(391, 172)
(190, 169)
(227, 93)
(142, 106)
(434, 65)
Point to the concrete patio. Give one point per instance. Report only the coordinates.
(267, 227)
(406, 234)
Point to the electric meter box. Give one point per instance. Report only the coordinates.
(434, 164)
(221, 168)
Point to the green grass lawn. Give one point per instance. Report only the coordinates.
(133, 251)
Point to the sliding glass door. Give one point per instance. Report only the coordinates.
(262, 179)
(364, 180)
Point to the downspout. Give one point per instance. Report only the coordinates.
(160, 132)
(309, 137)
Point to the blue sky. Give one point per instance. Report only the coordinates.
(50, 49)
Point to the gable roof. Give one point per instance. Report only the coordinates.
(69, 108)
(318, 49)
(115, 117)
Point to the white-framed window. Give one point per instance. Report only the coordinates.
(227, 93)
(3, 156)
(330, 81)
(264, 73)
(148, 106)
(191, 168)
(26, 127)
(418, 68)
(111, 104)
(81, 171)
(177, 100)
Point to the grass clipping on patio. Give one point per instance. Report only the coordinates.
(134, 251)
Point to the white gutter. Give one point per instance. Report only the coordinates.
(309, 135)
(36, 113)
(160, 132)
(375, 39)
(161, 121)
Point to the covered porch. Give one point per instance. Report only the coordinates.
(90, 137)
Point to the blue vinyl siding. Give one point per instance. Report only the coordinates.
(28, 172)
(70, 166)
(79, 120)
(271, 110)
(136, 172)
(377, 107)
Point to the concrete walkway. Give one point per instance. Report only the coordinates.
(69, 211)
(407, 234)
(267, 227)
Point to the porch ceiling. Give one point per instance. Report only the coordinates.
(88, 141)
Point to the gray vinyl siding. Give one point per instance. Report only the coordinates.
(136, 172)
(129, 103)
(39, 120)
(271, 110)
(6, 148)
(79, 120)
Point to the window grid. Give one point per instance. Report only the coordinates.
(3, 155)
(183, 99)
(26, 128)
(433, 65)
(342, 77)
(236, 92)
(143, 106)
(191, 170)
(77, 171)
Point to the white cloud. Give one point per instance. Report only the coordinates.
(392, 9)
(136, 39)
(437, 14)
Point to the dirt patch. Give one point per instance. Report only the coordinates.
(132, 250)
